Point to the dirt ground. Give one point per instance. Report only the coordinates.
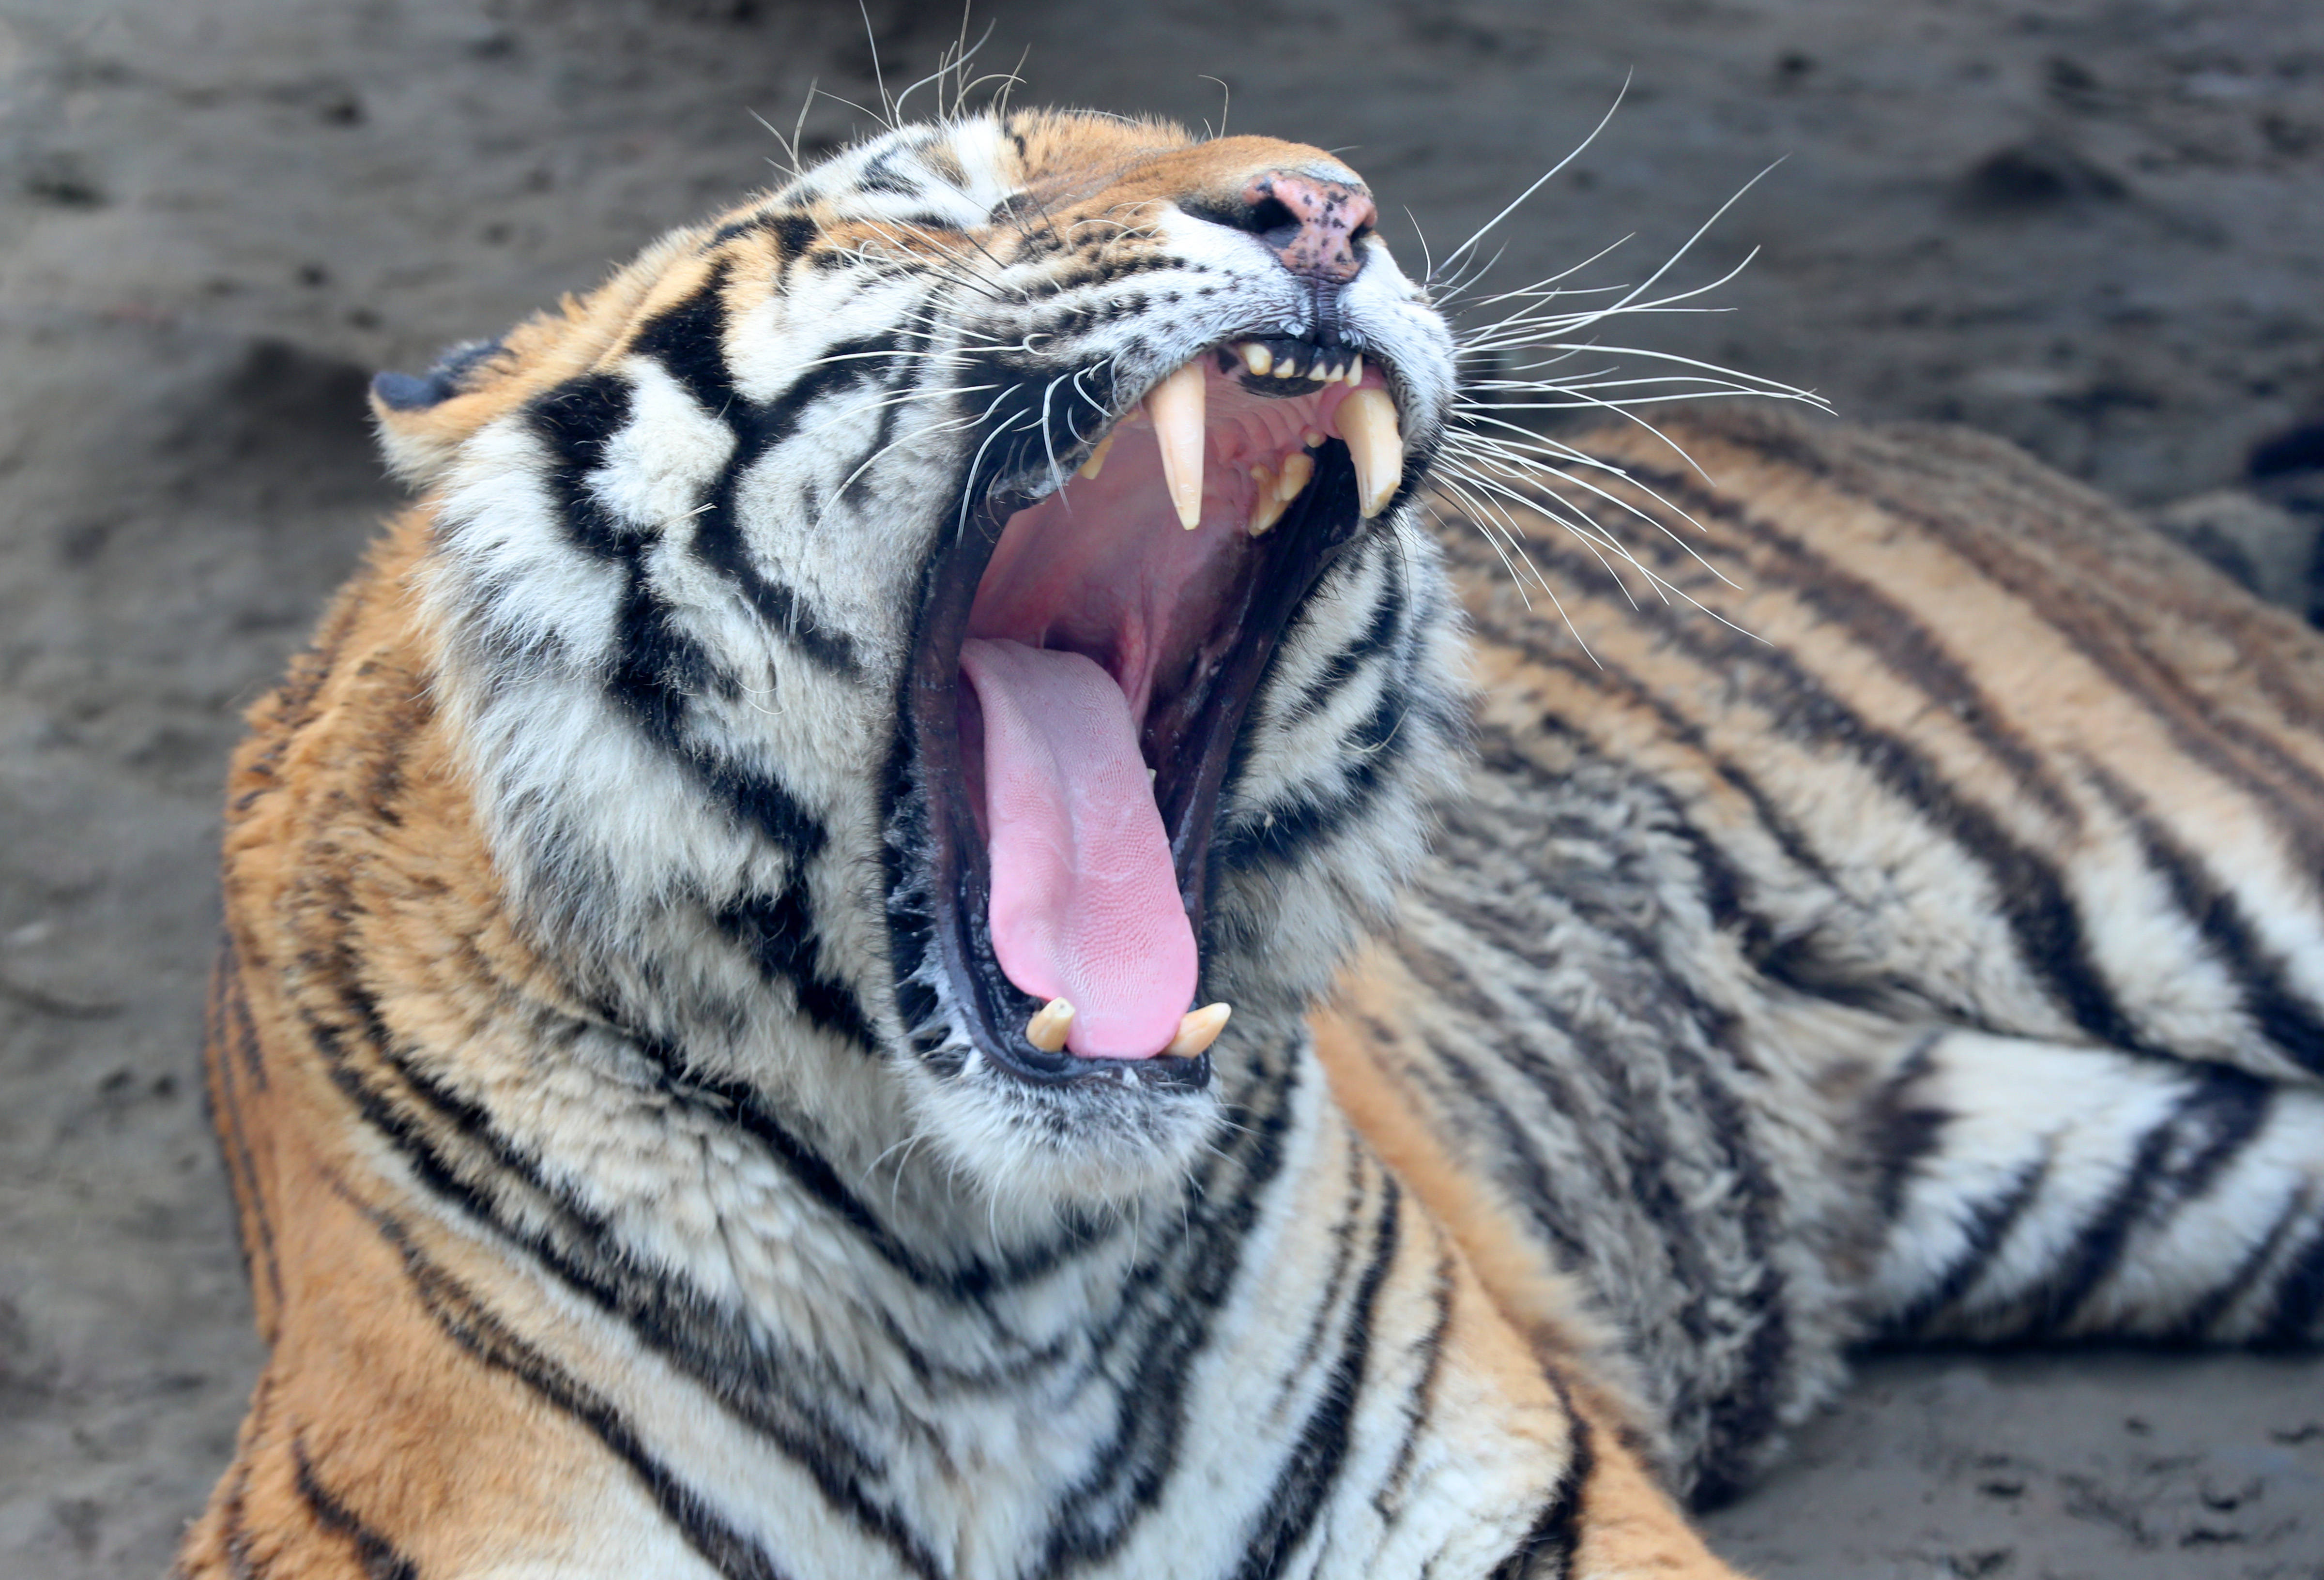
(2096, 227)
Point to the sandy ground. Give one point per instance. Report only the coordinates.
(2097, 228)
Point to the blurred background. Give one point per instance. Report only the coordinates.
(2095, 226)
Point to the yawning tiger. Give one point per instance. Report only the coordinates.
(765, 1025)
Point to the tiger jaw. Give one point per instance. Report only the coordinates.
(1160, 575)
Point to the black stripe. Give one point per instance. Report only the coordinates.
(234, 1513)
(1702, 1047)
(1518, 1166)
(377, 1554)
(1380, 634)
(1420, 1403)
(1989, 1225)
(230, 1023)
(779, 935)
(1307, 1481)
(1369, 753)
(258, 1228)
(1154, 1363)
(657, 668)
(2054, 1303)
(718, 540)
(2281, 1014)
(2230, 1106)
(2197, 1324)
(2298, 1300)
(1877, 624)
(576, 421)
(470, 1325)
(786, 1399)
(689, 339)
(2028, 890)
(1546, 1552)
(2287, 788)
(1335, 1281)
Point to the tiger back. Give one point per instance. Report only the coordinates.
(764, 1024)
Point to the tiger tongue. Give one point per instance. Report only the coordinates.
(1085, 902)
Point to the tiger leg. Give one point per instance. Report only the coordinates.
(2046, 1191)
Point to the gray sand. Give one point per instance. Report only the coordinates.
(2098, 229)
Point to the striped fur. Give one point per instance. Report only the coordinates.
(1920, 937)
(623, 1194)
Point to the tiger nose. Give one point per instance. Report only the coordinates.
(1317, 222)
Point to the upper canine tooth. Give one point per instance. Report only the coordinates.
(1050, 1023)
(1367, 420)
(1176, 404)
(1199, 1029)
(1096, 462)
(1257, 358)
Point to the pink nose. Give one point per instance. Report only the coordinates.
(1318, 238)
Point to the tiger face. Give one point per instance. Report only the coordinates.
(927, 642)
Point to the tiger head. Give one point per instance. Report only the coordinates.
(983, 572)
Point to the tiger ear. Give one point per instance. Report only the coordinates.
(423, 418)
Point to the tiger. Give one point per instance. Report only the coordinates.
(978, 892)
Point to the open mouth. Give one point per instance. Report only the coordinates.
(1079, 682)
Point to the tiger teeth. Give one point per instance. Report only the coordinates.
(1096, 462)
(1267, 502)
(1198, 1031)
(1367, 422)
(1050, 1023)
(1355, 373)
(1257, 358)
(1176, 405)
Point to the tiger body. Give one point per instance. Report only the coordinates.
(630, 1177)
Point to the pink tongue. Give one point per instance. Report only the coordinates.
(1085, 904)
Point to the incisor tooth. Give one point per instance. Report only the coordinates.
(1198, 1031)
(1096, 462)
(1257, 358)
(1366, 421)
(1050, 1023)
(1176, 405)
(1355, 374)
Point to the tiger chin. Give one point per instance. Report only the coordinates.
(779, 1010)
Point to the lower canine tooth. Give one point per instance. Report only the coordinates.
(1096, 462)
(1198, 1031)
(1176, 405)
(1050, 1023)
(1367, 422)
